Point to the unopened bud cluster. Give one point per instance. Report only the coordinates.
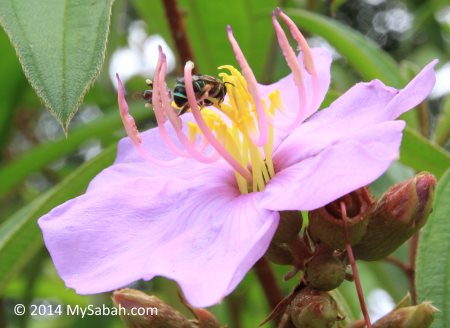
(375, 228)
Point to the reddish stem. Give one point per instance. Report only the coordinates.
(178, 31)
(352, 261)
(398, 263)
(268, 282)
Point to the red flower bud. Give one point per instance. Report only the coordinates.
(313, 309)
(164, 317)
(326, 225)
(401, 211)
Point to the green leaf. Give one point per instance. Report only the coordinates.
(251, 24)
(442, 134)
(11, 82)
(43, 155)
(420, 154)
(20, 237)
(363, 54)
(61, 46)
(433, 258)
(335, 5)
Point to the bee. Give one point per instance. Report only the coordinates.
(145, 95)
(207, 90)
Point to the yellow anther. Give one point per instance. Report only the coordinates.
(233, 124)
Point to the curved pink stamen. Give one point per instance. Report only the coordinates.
(159, 91)
(205, 129)
(252, 88)
(127, 120)
(308, 60)
(156, 99)
(176, 121)
(132, 131)
(293, 64)
(168, 110)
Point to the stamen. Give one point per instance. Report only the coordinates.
(252, 88)
(132, 131)
(160, 87)
(170, 112)
(127, 120)
(308, 60)
(204, 128)
(293, 64)
(159, 91)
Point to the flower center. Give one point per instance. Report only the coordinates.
(235, 126)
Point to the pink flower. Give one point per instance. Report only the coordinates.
(197, 199)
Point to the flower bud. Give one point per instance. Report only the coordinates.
(325, 272)
(165, 317)
(400, 212)
(326, 225)
(206, 319)
(313, 309)
(279, 251)
(288, 228)
(280, 254)
(417, 316)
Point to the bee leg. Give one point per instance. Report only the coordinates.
(183, 109)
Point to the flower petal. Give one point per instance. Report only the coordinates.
(360, 107)
(129, 164)
(152, 142)
(350, 163)
(200, 232)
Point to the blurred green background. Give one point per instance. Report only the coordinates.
(40, 167)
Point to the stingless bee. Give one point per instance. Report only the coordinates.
(146, 95)
(207, 90)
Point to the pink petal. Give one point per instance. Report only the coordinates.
(200, 232)
(152, 142)
(341, 167)
(130, 166)
(360, 107)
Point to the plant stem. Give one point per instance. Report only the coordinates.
(399, 263)
(351, 259)
(178, 31)
(413, 244)
(234, 310)
(268, 282)
(424, 119)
